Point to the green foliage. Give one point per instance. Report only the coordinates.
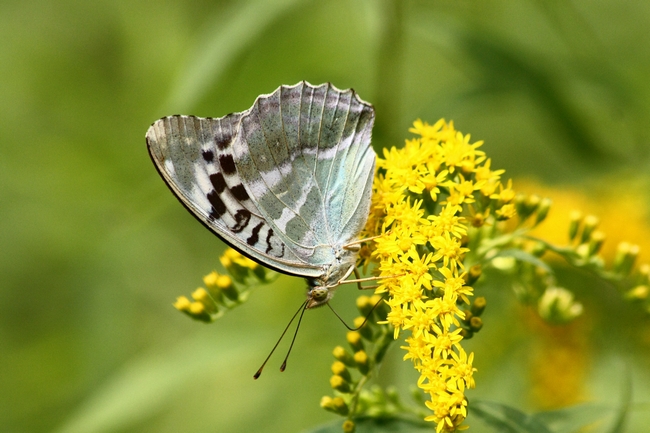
(95, 249)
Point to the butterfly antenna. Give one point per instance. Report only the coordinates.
(295, 334)
(302, 308)
(364, 320)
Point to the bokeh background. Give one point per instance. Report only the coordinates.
(94, 249)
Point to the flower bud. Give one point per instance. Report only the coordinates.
(532, 203)
(542, 210)
(466, 333)
(366, 329)
(520, 205)
(201, 295)
(638, 293)
(336, 405)
(362, 361)
(354, 338)
(344, 356)
(582, 251)
(478, 306)
(590, 224)
(340, 384)
(475, 324)
(364, 305)
(381, 309)
(626, 255)
(239, 266)
(644, 273)
(472, 275)
(575, 222)
(339, 369)
(558, 306)
(182, 304)
(196, 308)
(214, 283)
(197, 311)
(348, 426)
(596, 242)
(220, 285)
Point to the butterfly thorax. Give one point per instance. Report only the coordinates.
(321, 289)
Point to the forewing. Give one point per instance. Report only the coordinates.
(195, 158)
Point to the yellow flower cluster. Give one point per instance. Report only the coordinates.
(220, 292)
(425, 196)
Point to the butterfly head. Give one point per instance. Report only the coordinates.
(318, 296)
(321, 289)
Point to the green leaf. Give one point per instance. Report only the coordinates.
(368, 425)
(582, 418)
(506, 419)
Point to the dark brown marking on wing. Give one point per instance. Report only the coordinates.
(222, 140)
(208, 156)
(252, 240)
(227, 163)
(218, 206)
(218, 182)
(268, 241)
(242, 217)
(239, 192)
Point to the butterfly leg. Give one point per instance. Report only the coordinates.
(353, 245)
(359, 280)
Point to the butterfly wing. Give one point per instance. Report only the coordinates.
(194, 157)
(281, 182)
(305, 157)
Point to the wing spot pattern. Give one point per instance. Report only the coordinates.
(268, 241)
(222, 140)
(254, 237)
(227, 164)
(218, 182)
(239, 192)
(242, 218)
(208, 156)
(218, 206)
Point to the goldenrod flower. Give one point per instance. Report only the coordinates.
(421, 203)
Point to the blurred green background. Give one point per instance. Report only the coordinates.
(94, 248)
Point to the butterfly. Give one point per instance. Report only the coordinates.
(287, 182)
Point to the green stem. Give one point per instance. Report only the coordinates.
(357, 392)
(379, 350)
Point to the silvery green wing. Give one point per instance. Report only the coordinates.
(286, 182)
(304, 154)
(194, 157)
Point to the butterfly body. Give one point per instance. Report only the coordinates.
(287, 182)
